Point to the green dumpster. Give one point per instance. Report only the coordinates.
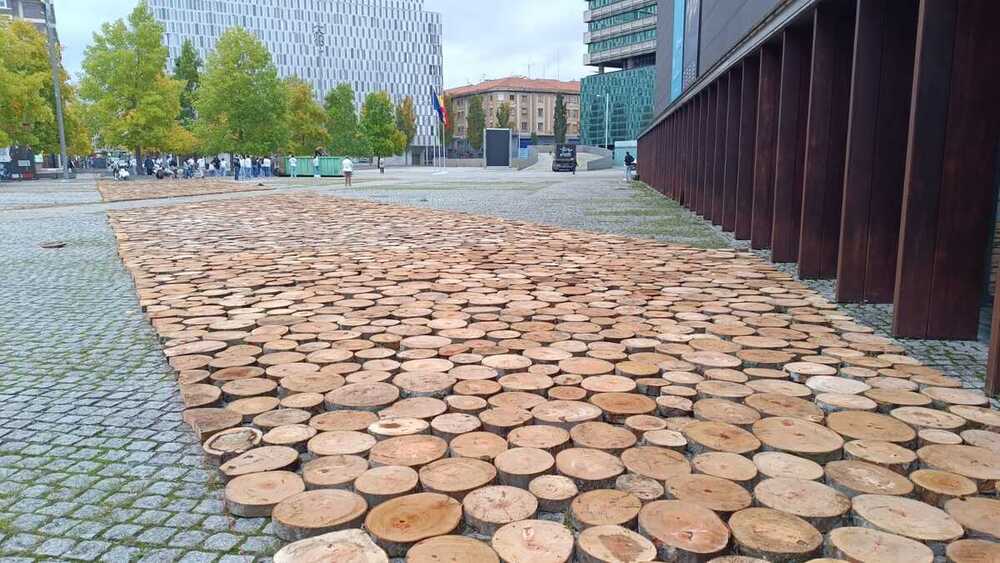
(328, 166)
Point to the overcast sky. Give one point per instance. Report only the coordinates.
(482, 38)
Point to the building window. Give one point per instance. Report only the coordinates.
(541, 112)
(511, 97)
(541, 126)
(3, 5)
(524, 126)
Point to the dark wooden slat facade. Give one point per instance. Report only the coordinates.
(731, 158)
(747, 148)
(718, 160)
(767, 130)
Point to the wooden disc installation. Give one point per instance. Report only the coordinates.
(451, 549)
(347, 546)
(773, 535)
(399, 523)
(312, 513)
(535, 541)
(683, 531)
(489, 508)
(256, 494)
(600, 544)
(865, 544)
(906, 517)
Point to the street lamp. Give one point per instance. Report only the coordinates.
(56, 85)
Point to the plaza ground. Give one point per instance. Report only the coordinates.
(95, 461)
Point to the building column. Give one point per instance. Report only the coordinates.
(747, 148)
(950, 185)
(719, 159)
(767, 128)
(731, 156)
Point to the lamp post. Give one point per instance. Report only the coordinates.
(56, 85)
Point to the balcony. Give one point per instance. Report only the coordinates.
(619, 53)
(621, 29)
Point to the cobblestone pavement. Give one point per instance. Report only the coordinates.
(95, 463)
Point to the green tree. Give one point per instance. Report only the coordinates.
(534, 138)
(306, 119)
(559, 127)
(242, 104)
(131, 100)
(476, 122)
(449, 127)
(503, 116)
(342, 122)
(187, 69)
(406, 120)
(27, 102)
(378, 125)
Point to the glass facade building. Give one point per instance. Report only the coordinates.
(390, 45)
(617, 103)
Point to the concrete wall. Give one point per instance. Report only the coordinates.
(664, 53)
(725, 22)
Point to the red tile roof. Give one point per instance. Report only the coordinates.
(517, 84)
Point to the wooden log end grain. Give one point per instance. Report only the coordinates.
(347, 546)
(937, 487)
(613, 544)
(590, 469)
(489, 508)
(908, 518)
(397, 524)
(477, 445)
(708, 436)
(259, 460)
(517, 467)
(224, 446)
(799, 437)
(549, 438)
(207, 421)
(973, 551)
(602, 507)
(644, 488)
(312, 513)
(866, 544)
(333, 472)
(602, 436)
(456, 476)
(887, 454)
(980, 516)
(554, 492)
(655, 462)
(683, 531)
(534, 541)
(721, 495)
(822, 506)
(774, 536)
(733, 467)
(255, 495)
(780, 464)
(979, 464)
(409, 451)
(451, 549)
(853, 478)
(380, 484)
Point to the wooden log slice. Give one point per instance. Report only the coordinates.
(477, 445)
(979, 418)
(409, 451)
(526, 382)
(715, 389)
(820, 505)
(227, 444)
(774, 404)
(644, 488)
(979, 464)
(774, 536)
(721, 495)
(341, 442)
(886, 454)
(865, 545)
(889, 399)
(549, 438)
(424, 384)
(451, 549)
(641, 423)
(780, 464)
(602, 436)
(655, 462)
(311, 383)
(291, 435)
(707, 436)
(517, 467)
(565, 414)
(256, 494)
(589, 469)
(252, 406)
(934, 437)
(415, 407)
(920, 418)
(786, 388)
(311, 403)
(608, 384)
(670, 439)
(197, 395)
(604, 507)
(834, 384)
(394, 427)
(207, 421)
(456, 476)
(380, 484)
(502, 420)
(836, 402)
(489, 508)
(945, 397)
(801, 372)
(333, 472)
(347, 546)
(980, 516)
(342, 420)
(533, 541)
(516, 400)
(732, 467)
(565, 393)
(799, 437)
(466, 404)
(586, 366)
(853, 478)
(722, 410)
(683, 531)
(311, 513)
(260, 460)
(362, 396)
(613, 544)
(451, 425)
(619, 406)
(983, 439)
(554, 492)
(397, 524)
(908, 518)
(938, 487)
(670, 405)
(856, 425)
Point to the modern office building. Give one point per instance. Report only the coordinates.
(32, 11)
(855, 138)
(617, 102)
(390, 45)
(532, 102)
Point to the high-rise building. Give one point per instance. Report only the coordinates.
(374, 45)
(617, 102)
(32, 11)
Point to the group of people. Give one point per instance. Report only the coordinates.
(249, 167)
(346, 166)
(239, 167)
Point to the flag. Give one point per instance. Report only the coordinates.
(439, 107)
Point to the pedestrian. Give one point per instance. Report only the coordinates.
(237, 164)
(316, 163)
(293, 166)
(348, 168)
(201, 167)
(148, 165)
(247, 167)
(255, 166)
(629, 162)
(267, 167)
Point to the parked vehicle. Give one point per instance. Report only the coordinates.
(564, 159)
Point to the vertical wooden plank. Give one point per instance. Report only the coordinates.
(719, 160)
(790, 151)
(732, 149)
(708, 188)
(826, 140)
(949, 190)
(700, 142)
(767, 127)
(747, 149)
(993, 362)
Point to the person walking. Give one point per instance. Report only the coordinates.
(316, 163)
(348, 168)
(248, 167)
(237, 164)
(293, 167)
(267, 167)
(629, 163)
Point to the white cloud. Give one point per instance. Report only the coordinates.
(482, 39)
